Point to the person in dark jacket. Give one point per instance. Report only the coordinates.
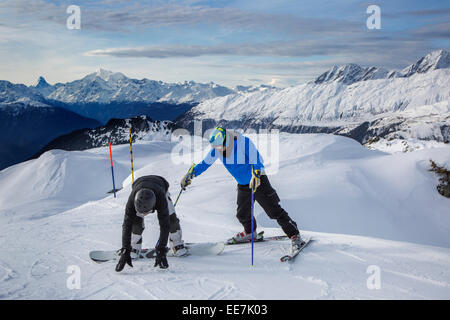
(149, 194)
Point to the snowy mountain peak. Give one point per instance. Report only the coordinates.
(42, 83)
(439, 59)
(106, 75)
(350, 73)
(346, 74)
(43, 87)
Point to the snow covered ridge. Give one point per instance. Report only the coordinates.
(106, 86)
(11, 93)
(115, 131)
(342, 101)
(439, 59)
(351, 73)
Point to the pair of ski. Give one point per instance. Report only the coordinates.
(199, 249)
(260, 238)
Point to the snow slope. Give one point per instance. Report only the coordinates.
(363, 207)
(331, 103)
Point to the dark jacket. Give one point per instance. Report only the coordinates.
(159, 186)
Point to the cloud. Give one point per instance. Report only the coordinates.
(380, 48)
(432, 15)
(438, 30)
(132, 15)
(308, 36)
(271, 49)
(429, 12)
(171, 15)
(232, 34)
(41, 10)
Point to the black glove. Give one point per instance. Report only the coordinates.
(124, 258)
(161, 259)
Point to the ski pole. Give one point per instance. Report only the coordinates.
(253, 199)
(131, 156)
(179, 194)
(112, 170)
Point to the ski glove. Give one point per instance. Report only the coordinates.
(256, 180)
(161, 259)
(187, 179)
(124, 258)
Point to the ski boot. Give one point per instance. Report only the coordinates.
(177, 244)
(296, 243)
(136, 246)
(244, 237)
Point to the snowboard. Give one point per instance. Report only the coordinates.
(196, 249)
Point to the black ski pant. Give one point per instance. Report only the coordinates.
(268, 199)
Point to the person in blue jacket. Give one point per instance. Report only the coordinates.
(243, 161)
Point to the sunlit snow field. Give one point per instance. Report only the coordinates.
(363, 208)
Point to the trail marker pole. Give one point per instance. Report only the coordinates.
(131, 157)
(112, 170)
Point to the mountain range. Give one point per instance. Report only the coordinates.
(106, 86)
(35, 115)
(362, 103)
(351, 100)
(351, 73)
(104, 95)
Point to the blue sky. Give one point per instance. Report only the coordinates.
(278, 42)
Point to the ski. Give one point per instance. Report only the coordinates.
(259, 238)
(292, 256)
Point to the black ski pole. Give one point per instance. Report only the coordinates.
(179, 194)
(178, 197)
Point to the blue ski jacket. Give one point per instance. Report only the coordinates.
(238, 159)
